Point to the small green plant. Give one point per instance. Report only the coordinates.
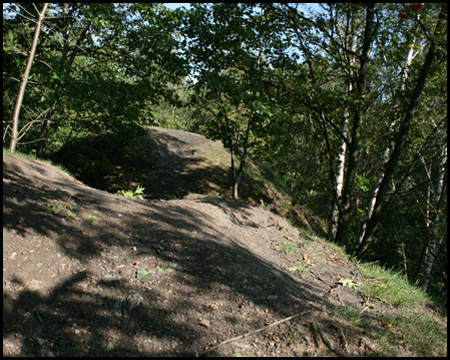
(136, 194)
(299, 268)
(57, 208)
(287, 246)
(238, 354)
(162, 268)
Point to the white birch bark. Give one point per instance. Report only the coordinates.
(386, 153)
(341, 157)
(435, 223)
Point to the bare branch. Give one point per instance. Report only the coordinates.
(18, 13)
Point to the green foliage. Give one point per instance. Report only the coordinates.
(391, 286)
(274, 79)
(67, 210)
(136, 194)
(234, 85)
(102, 68)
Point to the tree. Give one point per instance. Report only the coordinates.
(378, 85)
(231, 70)
(99, 67)
(401, 137)
(23, 84)
(433, 221)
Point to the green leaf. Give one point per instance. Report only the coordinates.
(237, 354)
(348, 283)
(143, 274)
(69, 214)
(54, 208)
(90, 219)
(139, 190)
(109, 347)
(293, 268)
(165, 268)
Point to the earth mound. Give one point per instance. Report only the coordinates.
(170, 164)
(90, 273)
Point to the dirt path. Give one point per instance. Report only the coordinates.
(126, 277)
(181, 152)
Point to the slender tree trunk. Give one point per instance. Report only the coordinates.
(234, 188)
(243, 159)
(435, 223)
(386, 152)
(332, 231)
(23, 83)
(401, 138)
(353, 151)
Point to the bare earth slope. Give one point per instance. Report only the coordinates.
(126, 277)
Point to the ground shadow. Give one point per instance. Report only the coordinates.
(78, 316)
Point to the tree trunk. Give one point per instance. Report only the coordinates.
(435, 224)
(353, 150)
(401, 138)
(332, 231)
(242, 161)
(386, 152)
(23, 83)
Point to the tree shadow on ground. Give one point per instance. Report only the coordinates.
(85, 310)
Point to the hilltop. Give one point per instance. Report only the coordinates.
(170, 164)
(90, 273)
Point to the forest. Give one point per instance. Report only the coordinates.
(346, 103)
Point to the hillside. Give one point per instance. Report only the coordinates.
(91, 273)
(171, 164)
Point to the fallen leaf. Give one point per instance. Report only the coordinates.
(164, 267)
(293, 268)
(385, 324)
(69, 214)
(143, 274)
(109, 347)
(348, 283)
(204, 323)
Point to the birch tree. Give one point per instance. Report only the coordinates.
(351, 33)
(386, 152)
(403, 132)
(353, 149)
(433, 221)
